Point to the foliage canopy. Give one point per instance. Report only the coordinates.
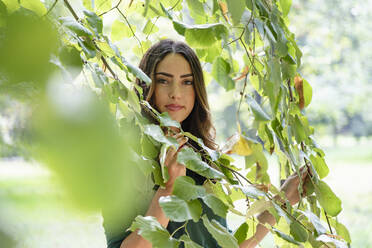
(244, 46)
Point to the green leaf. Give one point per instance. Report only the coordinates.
(220, 72)
(3, 13)
(136, 71)
(166, 121)
(328, 239)
(188, 242)
(102, 5)
(88, 48)
(258, 207)
(236, 9)
(220, 234)
(241, 233)
(200, 38)
(257, 111)
(184, 187)
(298, 232)
(147, 3)
(149, 228)
(148, 148)
(88, 5)
(192, 160)
(11, 5)
(320, 229)
(320, 166)
(299, 129)
(282, 213)
(99, 76)
(120, 30)
(155, 132)
(327, 199)
(285, 236)
(203, 35)
(196, 10)
(288, 70)
(251, 191)
(34, 5)
(150, 28)
(308, 92)
(286, 6)
(70, 57)
(341, 230)
(180, 210)
(163, 154)
(216, 205)
(94, 21)
(75, 27)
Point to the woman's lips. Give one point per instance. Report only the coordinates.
(173, 107)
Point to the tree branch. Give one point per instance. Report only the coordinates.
(71, 10)
(51, 8)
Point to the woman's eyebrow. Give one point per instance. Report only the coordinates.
(170, 75)
(164, 73)
(186, 75)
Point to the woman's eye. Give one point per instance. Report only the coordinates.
(188, 82)
(161, 81)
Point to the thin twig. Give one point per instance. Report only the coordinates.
(71, 10)
(116, 6)
(290, 90)
(182, 226)
(242, 96)
(109, 68)
(240, 36)
(102, 58)
(131, 29)
(152, 27)
(51, 8)
(329, 224)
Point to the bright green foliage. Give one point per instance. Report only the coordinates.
(75, 27)
(151, 230)
(298, 232)
(216, 205)
(220, 72)
(285, 237)
(179, 210)
(185, 188)
(241, 233)
(102, 147)
(319, 228)
(220, 234)
(327, 199)
(193, 161)
(120, 30)
(188, 242)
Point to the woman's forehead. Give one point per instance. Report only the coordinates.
(174, 64)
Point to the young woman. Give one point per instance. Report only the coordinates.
(178, 88)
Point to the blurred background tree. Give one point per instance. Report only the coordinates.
(336, 46)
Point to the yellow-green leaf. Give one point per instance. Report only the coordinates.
(34, 5)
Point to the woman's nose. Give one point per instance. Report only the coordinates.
(175, 91)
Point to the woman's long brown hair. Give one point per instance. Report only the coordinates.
(199, 121)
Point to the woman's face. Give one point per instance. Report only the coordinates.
(174, 87)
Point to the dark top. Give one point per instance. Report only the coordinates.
(197, 231)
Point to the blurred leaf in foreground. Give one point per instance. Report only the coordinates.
(6, 241)
(77, 138)
(26, 45)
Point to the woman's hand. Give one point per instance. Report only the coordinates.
(290, 186)
(174, 169)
